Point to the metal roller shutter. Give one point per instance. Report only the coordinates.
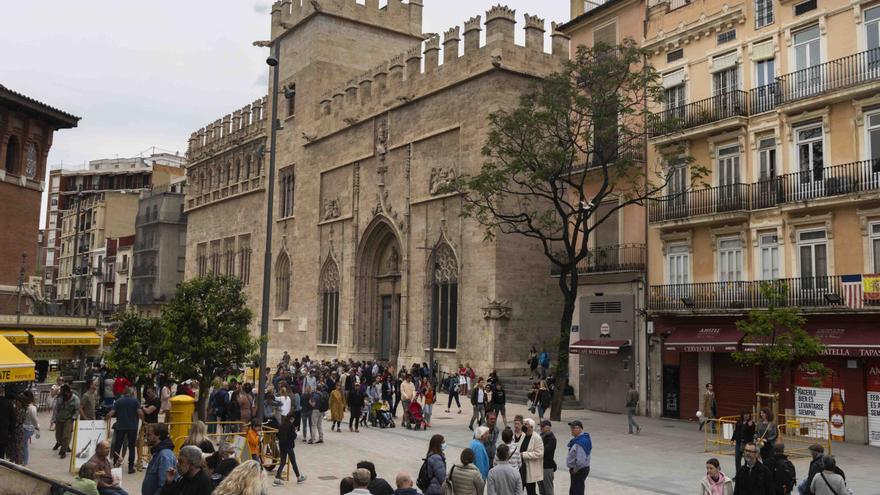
(690, 397)
(734, 385)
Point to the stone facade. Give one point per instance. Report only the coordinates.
(370, 254)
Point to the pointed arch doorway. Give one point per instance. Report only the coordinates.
(379, 292)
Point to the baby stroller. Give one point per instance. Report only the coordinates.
(383, 416)
(415, 416)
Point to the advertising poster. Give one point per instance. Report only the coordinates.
(86, 435)
(816, 397)
(874, 403)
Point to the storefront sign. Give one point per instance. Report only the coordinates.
(820, 402)
(706, 339)
(874, 404)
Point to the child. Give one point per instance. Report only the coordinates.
(85, 482)
(253, 439)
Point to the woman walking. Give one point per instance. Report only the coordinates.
(542, 399)
(466, 478)
(715, 482)
(428, 394)
(766, 433)
(743, 432)
(286, 444)
(337, 408)
(355, 405)
(436, 463)
(31, 423)
(452, 388)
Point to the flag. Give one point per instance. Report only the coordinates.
(871, 286)
(853, 296)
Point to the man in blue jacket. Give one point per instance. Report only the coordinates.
(578, 460)
(162, 450)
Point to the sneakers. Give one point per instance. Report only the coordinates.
(301, 479)
(320, 441)
(277, 482)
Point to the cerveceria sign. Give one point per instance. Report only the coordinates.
(704, 339)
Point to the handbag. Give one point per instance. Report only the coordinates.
(448, 488)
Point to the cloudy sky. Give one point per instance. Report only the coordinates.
(144, 74)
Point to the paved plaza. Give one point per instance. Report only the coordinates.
(667, 458)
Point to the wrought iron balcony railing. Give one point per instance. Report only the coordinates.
(835, 74)
(706, 111)
(707, 201)
(617, 258)
(820, 182)
(808, 292)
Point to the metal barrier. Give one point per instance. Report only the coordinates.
(228, 430)
(800, 432)
(718, 435)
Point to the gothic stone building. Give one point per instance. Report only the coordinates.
(370, 256)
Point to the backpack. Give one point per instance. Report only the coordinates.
(323, 402)
(448, 486)
(784, 476)
(544, 360)
(424, 479)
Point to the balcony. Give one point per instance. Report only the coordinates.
(808, 292)
(856, 177)
(834, 75)
(699, 113)
(709, 201)
(617, 258)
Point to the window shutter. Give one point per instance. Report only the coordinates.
(606, 34)
(763, 51)
(673, 79)
(725, 61)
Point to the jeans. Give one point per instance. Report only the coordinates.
(531, 488)
(306, 422)
(479, 412)
(540, 410)
(428, 410)
(579, 482)
(453, 395)
(738, 454)
(131, 436)
(112, 491)
(355, 420)
(545, 486)
(317, 424)
(287, 454)
(28, 433)
(630, 413)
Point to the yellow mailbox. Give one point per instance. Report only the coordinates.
(180, 419)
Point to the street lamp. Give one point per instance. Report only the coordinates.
(272, 61)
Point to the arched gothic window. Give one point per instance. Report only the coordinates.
(330, 303)
(282, 283)
(444, 298)
(12, 155)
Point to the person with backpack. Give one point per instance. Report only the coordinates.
(465, 478)
(828, 481)
(544, 361)
(320, 403)
(715, 482)
(784, 474)
(432, 475)
(452, 388)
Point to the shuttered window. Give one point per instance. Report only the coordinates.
(606, 34)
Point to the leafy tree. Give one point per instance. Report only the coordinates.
(781, 342)
(135, 353)
(576, 139)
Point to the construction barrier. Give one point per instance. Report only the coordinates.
(799, 433)
(718, 435)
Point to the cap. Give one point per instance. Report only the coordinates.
(546, 422)
(577, 423)
(817, 448)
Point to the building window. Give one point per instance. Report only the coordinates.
(810, 155)
(30, 161)
(215, 258)
(769, 246)
(726, 36)
(678, 264)
(726, 80)
(872, 33)
(813, 259)
(12, 155)
(286, 200)
(728, 166)
(229, 255)
(807, 51)
(606, 34)
(444, 298)
(874, 232)
(873, 139)
(674, 90)
(674, 55)
(244, 259)
(730, 259)
(282, 283)
(330, 303)
(804, 7)
(767, 158)
(763, 13)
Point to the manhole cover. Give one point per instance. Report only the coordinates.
(327, 478)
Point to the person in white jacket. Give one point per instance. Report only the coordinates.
(532, 453)
(715, 481)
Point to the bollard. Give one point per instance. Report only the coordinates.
(180, 419)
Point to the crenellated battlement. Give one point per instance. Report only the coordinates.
(396, 16)
(418, 72)
(242, 124)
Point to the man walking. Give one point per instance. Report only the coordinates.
(88, 402)
(478, 400)
(753, 478)
(128, 413)
(492, 439)
(545, 486)
(66, 411)
(632, 402)
(580, 448)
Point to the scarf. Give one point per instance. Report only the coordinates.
(716, 487)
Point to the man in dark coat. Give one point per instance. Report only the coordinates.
(753, 478)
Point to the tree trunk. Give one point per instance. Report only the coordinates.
(562, 371)
(204, 394)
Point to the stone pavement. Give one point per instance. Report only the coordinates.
(667, 458)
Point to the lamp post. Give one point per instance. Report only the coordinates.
(272, 61)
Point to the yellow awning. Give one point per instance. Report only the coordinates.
(65, 337)
(14, 365)
(15, 336)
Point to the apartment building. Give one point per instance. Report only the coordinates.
(780, 101)
(609, 344)
(104, 198)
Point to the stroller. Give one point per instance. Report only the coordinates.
(382, 415)
(415, 416)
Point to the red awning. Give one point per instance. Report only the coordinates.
(704, 339)
(597, 347)
(843, 340)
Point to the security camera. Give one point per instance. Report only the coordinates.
(272, 61)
